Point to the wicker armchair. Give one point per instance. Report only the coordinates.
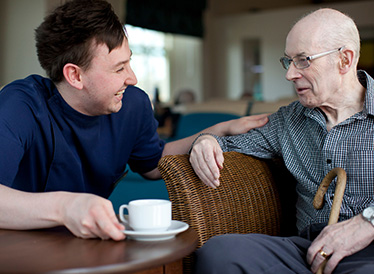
(247, 201)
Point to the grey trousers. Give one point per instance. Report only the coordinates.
(256, 253)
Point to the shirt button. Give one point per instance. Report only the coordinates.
(328, 161)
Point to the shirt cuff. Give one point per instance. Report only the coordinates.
(202, 134)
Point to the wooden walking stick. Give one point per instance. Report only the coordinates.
(337, 202)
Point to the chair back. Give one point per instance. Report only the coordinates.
(246, 201)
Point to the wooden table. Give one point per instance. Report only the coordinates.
(56, 250)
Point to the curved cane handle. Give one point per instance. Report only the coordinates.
(338, 198)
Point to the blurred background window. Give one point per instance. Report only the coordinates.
(150, 60)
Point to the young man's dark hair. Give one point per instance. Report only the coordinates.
(67, 35)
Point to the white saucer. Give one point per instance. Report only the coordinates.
(175, 228)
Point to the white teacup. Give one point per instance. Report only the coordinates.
(147, 214)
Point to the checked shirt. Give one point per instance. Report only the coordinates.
(299, 136)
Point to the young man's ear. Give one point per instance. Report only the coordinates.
(72, 74)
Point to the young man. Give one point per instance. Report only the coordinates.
(330, 126)
(65, 140)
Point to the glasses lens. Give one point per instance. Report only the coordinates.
(301, 62)
(285, 62)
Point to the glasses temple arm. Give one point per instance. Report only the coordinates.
(324, 53)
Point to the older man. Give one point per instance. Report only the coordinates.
(330, 126)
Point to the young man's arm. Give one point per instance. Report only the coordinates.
(85, 215)
(232, 127)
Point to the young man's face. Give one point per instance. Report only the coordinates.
(107, 77)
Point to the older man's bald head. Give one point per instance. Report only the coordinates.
(326, 29)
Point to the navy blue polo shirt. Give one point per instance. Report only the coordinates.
(45, 145)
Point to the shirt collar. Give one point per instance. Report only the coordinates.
(367, 82)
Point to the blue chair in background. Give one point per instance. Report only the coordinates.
(133, 186)
(191, 123)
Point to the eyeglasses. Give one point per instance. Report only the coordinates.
(302, 61)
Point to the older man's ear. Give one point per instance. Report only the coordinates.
(346, 60)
